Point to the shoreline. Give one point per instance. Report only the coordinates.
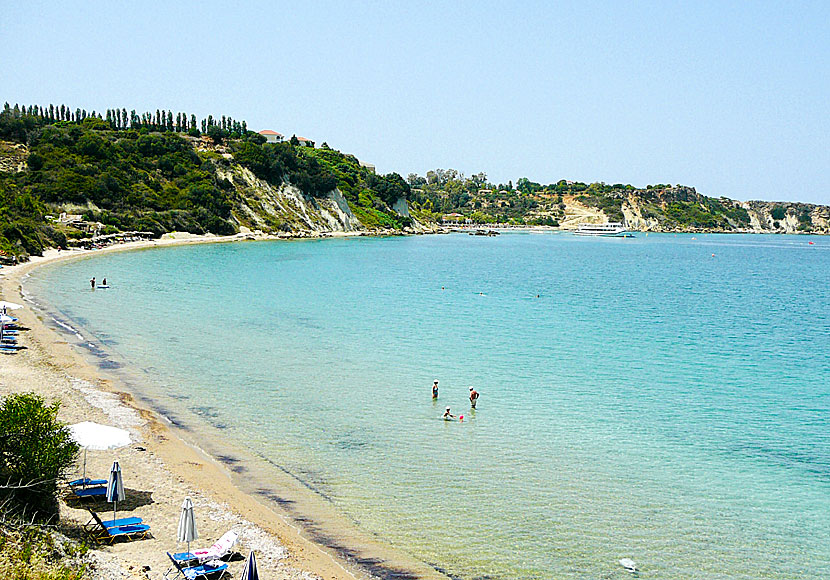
(165, 465)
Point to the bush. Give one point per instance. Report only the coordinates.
(36, 451)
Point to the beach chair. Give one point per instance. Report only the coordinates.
(222, 547)
(87, 482)
(192, 572)
(92, 523)
(101, 533)
(89, 492)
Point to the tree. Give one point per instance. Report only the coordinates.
(36, 450)
(294, 141)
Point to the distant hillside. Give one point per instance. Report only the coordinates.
(450, 196)
(151, 173)
(67, 176)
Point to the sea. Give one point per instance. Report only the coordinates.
(663, 398)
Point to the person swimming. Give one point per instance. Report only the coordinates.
(447, 415)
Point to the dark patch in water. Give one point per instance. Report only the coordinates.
(109, 364)
(209, 412)
(272, 496)
(376, 567)
(232, 463)
(170, 417)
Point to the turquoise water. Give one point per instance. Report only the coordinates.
(654, 402)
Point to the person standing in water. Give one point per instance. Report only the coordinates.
(434, 390)
(92, 282)
(473, 397)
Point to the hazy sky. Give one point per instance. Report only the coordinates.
(729, 97)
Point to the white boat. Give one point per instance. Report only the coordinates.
(609, 229)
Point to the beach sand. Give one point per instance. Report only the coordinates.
(161, 467)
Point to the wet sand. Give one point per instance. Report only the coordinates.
(165, 463)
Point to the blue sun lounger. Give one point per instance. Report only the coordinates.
(93, 492)
(193, 572)
(87, 482)
(102, 533)
(120, 522)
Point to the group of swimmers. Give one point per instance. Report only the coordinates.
(447, 414)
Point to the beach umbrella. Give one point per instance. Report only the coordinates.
(249, 572)
(115, 487)
(97, 437)
(187, 524)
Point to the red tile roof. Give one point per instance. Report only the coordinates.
(268, 132)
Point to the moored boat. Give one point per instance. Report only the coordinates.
(615, 229)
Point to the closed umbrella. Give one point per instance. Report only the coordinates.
(97, 437)
(187, 524)
(115, 487)
(249, 572)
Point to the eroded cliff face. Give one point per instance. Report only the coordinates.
(786, 217)
(683, 209)
(258, 205)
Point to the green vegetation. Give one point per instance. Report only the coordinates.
(154, 173)
(158, 172)
(33, 554)
(36, 451)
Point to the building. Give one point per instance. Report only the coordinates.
(305, 142)
(272, 136)
(368, 166)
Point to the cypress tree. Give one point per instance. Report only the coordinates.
(192, 121)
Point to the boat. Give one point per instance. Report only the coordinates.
(615, 229)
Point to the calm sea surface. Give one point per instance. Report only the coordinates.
(654, 402)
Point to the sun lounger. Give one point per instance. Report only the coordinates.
(87, 482)
(217, 551)
(193, 572)
(93, 492)
(102, 533)
(120, 522)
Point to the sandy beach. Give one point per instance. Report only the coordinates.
(161, 467)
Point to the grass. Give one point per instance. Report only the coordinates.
(36, 555)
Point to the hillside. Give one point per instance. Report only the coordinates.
(450, 196)
(70, 177)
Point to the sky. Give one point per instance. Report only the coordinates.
(732, 98)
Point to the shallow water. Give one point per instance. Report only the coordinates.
(654, 402)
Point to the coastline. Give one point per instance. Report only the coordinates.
(162, 466)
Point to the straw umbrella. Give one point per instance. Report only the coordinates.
(115, 487)
(249, 572)
(187, 524)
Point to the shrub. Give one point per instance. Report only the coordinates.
(36, 451)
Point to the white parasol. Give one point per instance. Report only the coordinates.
(97, 437)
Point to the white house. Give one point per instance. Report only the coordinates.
(272, 136)
(305, 142)
(368, 166)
